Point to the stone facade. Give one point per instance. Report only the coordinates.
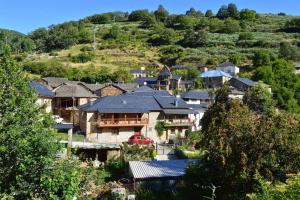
(109, 90)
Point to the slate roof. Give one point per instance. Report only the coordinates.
(165, 72)
(122, 104)
(196, 95)
(214, 73)
(178, 67)
(127, 86)
(167, 102)
(72, 90)
(138, 71)
(143, 88)
(41, 89)
(56, 81)
(227, 64)
(142, 170)
(148, 80)
(246, 81)
(92, 87)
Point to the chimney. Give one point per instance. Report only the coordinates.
(145, 83)
(142, 68)
(176, 100)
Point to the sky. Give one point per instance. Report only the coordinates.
(28, 15)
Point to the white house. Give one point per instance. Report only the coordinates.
(229, 68)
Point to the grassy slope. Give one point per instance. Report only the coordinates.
(136, 53)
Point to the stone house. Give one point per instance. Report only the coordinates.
(229, 68)
(214, 78)
(45, 96)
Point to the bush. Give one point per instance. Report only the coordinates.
(160, 127)
(246, 36)
(82, 58)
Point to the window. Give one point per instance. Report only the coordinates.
(115, 131)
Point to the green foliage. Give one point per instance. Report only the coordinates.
(289, 52)
(233, 11)
(261, 58)
(160, 127)
(116, 168)
(138, 15)
(279, 191)
(249, 15)
(235, 59)
(231, 26)
(122, 76)
(161, 14)
(109, 17)
(194, 13)
(246, 36)
(171, 54)
(163, 36)
(293, 25)
(27, 144)
(280, 75)
(138, 152)
(194, 38)
(236, 148)
(209, 13)
(82, 57)
(63, 181)
(223, 12)
(259, 99)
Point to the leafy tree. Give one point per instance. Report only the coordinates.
(163, 36)
(231, 26)
(161, 14)
(40, 37)
(160, 127)
(235, 59)
(209, 13)
(27, 144)
(171, 54)
(138, 15)
(259, 99)
(194, 38)
(261, 58)
(289, 52)
(123, 76)
(233, 11)
(293, 25)
(223, 12)
(193, 12)
(114, 33)
(182, 22)
(237, 148)
(249, 15)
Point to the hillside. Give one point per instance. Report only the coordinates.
(153, 39)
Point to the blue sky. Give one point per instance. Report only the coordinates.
(27, 15)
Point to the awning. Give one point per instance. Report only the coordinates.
(163, 169)
(178, 111)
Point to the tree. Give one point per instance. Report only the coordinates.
(233, 11)
(261, 58)
(182, 22)
(138, 15)
(249, 15)
(235, 59)
(194, 38)
(259, 99)
(223, 12)
(209, 13)
(246, 36)
(27, 145)
(238, 148)
(161, 14)
(231, 26)
(289, 52)
(293, 25)
(123, 76)
(193, 12)
(163, 36)
(114, 33)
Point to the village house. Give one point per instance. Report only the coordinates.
(214, 78)
(68, 97)
(45, 96)
(229, 68)
(138, 73)
(113, 119)
(165, 81)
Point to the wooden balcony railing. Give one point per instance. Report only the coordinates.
(118, 122)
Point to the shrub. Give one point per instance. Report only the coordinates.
(160, 127)
(82, 58)
(246, 36)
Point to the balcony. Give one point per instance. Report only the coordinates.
(177, 122)
(122, 122)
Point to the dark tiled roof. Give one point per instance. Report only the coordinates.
(143, 88)
(72, 90)
(41, 89)
(165, 72)
(178, 111)
(122, 104)
(127, 86)
(147, 91)
(226, 64)
(214, 73)
(92, 87)
(169, 102)
(56, 81)
(246, 81)
(178, 67)
(138, 71)
(196, 95)
(148, 80)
